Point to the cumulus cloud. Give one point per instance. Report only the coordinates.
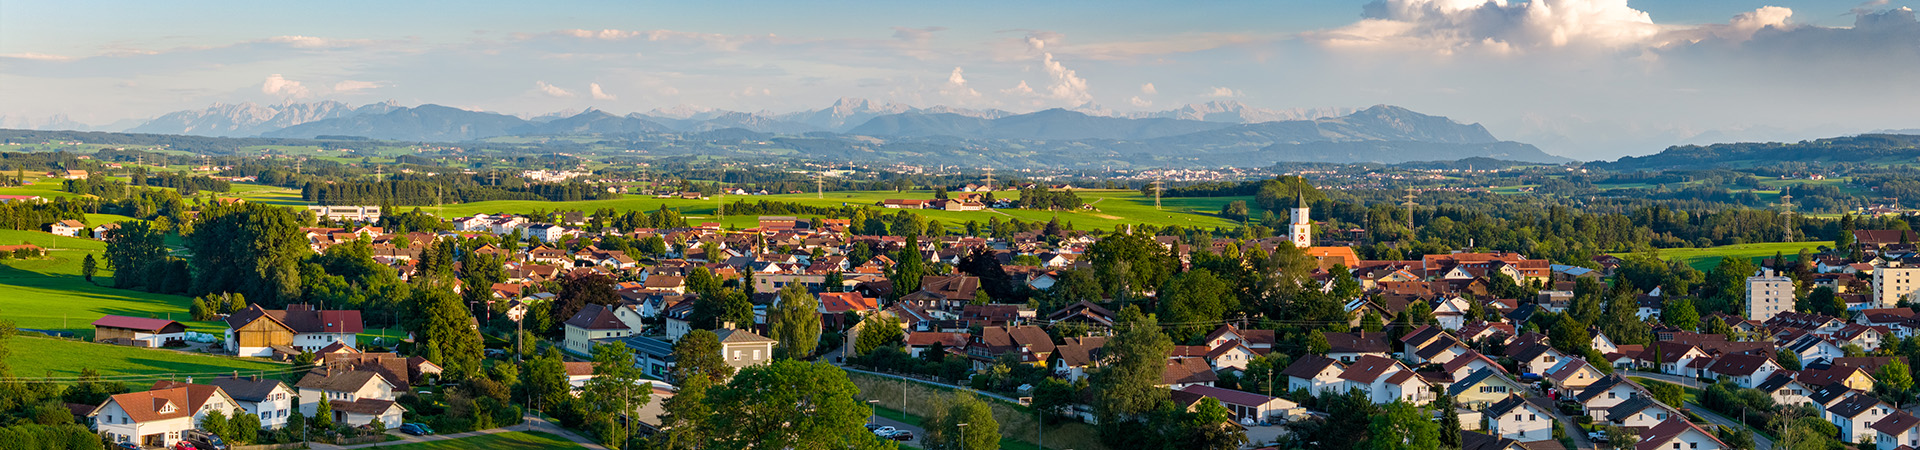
(551, 90)
(1140, 103)
(957, 86)
(1149, 89)
(281, 86)
(1220, 92)
(1021, 89)
(598, 94)
(1067, 85)
(354, 86)
(1448, 26)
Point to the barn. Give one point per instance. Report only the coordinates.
(138, 331)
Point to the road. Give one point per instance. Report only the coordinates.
(1759, 441)
(1572, 428)
(918, 432)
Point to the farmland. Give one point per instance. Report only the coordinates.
(50, 294)
(1705, 259)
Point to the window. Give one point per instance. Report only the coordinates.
(1532, 418)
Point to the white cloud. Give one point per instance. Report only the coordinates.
(352, 86)
(957, 86)
(1743, 26)
(551, 90)
(1022, 89)
(37, 56)
(1220, 92)
(1149, 89)
(594, 88)
(917, 35)
(1446, 26)
(1139, 103)
(1066, 85)
(281, 86)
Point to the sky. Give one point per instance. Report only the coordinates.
(1589, 79)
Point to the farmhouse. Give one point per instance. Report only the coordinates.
(138, 331)
(256, 331)
(155, 418)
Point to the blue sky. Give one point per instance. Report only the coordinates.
(1583, 78)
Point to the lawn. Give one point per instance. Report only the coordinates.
(33, 356)
(50, 294)
(511, 440)
(1706, 259)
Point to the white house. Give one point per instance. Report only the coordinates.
(155, 418)
(1609, 392)
(1521, 420)
(1745, 370)
(597, 322)
(1855, 416)
(270, 400)
(1900, 431)
(1385, 380)
(357, 396)
(1641, 412)
(257, 332)
(1316, 374)
(1678, 433)
(68, 228)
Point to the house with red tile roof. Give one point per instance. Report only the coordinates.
(1678, 433)
(138, 331)
(256, 331)
(157, 417)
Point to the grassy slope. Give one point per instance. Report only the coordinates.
(1706, 259)
(512, 440)
(50, 294)
(37, 356)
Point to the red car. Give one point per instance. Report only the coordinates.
(184, 445)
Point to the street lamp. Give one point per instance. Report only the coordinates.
(871, 413)
(517, 311)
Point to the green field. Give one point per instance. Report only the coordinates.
(511, 440)
(1706, 259)
(50, 294)
(1116, 207)
(34, 356)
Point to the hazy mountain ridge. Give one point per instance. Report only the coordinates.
(1865, 148)
(252, 119)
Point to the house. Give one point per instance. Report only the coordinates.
(1260, 341)
(1901, 430)
(742, 348)
(1576, 373)
(1071, 359)
(1537, 357)
(257, 332)
(1521, 420)
(1471, 440)
(357, 397)
(1459, 368)
(1678, 433)
(1609, 392)
(919, 342)
(1484, 387)
(138, 331)
(1232, 354)
(1745, 370)
(1852, 377)
(1179, 373)
(1641, 413)
(1856, 414)
(1451, 312)
(1349, 347)
(578, 374)
(1316, 374)
(1087, 313)
(1786, 391)
(1244, 405)
(68, 228)
(270, 400)
(653, 356)
(1026, 343)
(596, 322)
(1386, 380)
(157, 417)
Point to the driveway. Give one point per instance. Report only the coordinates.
(1567, 424)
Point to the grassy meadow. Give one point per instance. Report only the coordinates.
(33, 355)
(1706, 259)
(511, 440)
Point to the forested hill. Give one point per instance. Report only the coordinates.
(1865, 148)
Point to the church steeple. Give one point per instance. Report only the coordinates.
(1302, 232)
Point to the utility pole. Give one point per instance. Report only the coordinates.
(989, 179)
(1409, 204)
(819, 185)
(1786, 217)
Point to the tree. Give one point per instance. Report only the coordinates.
(582, 289)
(795, 322)
(88, 266)
(616, 389)
(1401, 426)
(322, 416)
(908, 267)
(687, 414)
(1235, 211)
(444, 332)
(250, 248)
(1680, 313)
(1720, 327)
(1894, 383)
(789, 404)
(1371, 322)
(1127, 388)
(1665, 392)
(1789, 360)
(547, 380)
(1208, 427)
(1449, 423)
(216, 422)
(878, 330)
(1192, 300)
(1317, 343)
(131, 248)
(698, 355)
(702, 281)
(945, 430)
(727, 306)
(245, 428)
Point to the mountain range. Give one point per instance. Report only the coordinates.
(1214, 133)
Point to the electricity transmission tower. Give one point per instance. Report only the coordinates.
(1409, 204)
(1786, 217)
(1156, 193)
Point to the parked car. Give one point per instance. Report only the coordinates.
(184, 445)
(416, 429)
(884, 431)
(126, 446)
(873, 426)
(204, 440)
(902, 435)
(1597, 436)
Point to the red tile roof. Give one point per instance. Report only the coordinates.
(134, 323)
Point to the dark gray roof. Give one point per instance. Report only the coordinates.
(653, 348)
(338, 381)
(1853, 406)
(1474, 378)
(1776, 381)
(246, 389)
(1619, 413)
(1500, 409)
(1827, 394)
(1473, 440)
(1594, 390)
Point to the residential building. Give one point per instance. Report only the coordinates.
(596, 322)
(1892, 284)
(68, 228)
(1768, 294)
(299, 328)
(1316, 374)
(1902, 430)
(357, 396)
(157, 417)
(1678, 434)
(270, 400)
(1521, 420)
(350, 213)
(743, 348)
(1484, 387)
(1855, 416)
